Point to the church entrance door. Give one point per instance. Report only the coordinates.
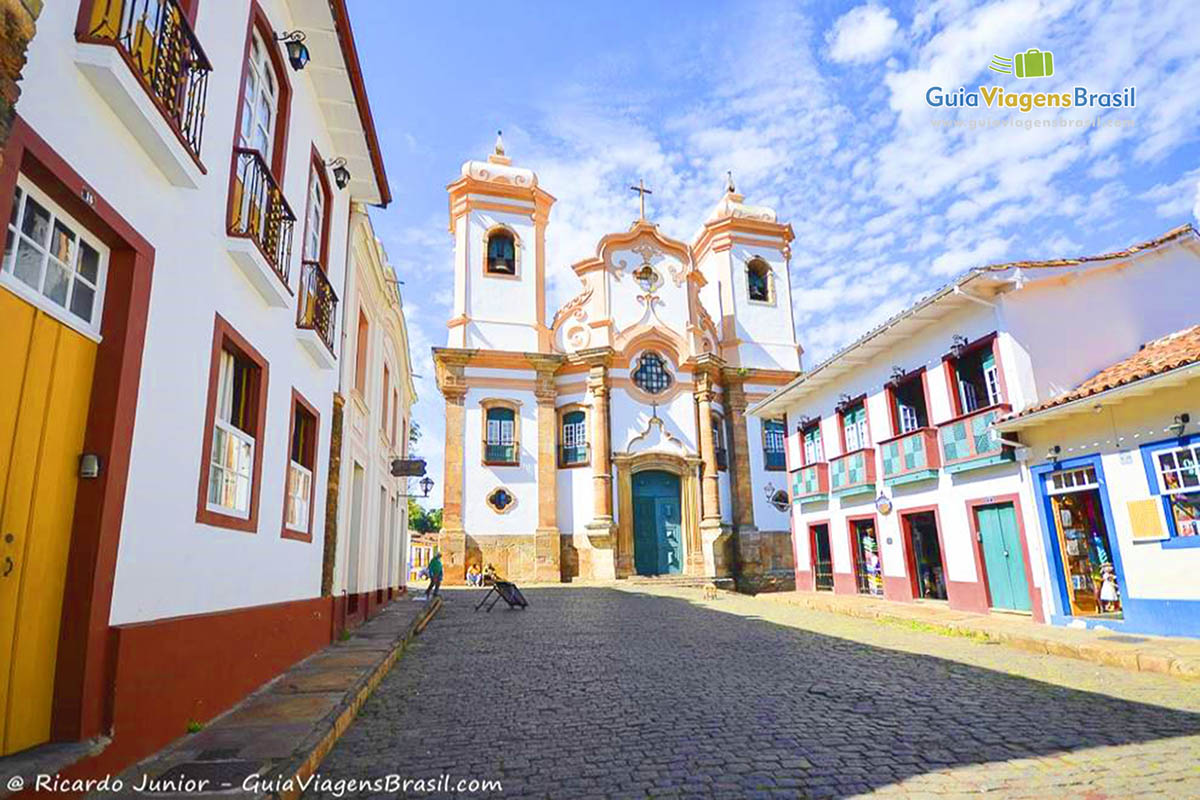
(657, 532)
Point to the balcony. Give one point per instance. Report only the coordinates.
(316, 314)
(968, 442)
(811, 483)
(144, 60)
(774, 460)
(853, 473)
(500, 455)
(260, 227)
(573, 455)
(910, 457)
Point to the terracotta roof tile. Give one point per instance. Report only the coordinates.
(1173, 351)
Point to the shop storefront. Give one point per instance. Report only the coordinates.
(1085, 546)
(868, 568)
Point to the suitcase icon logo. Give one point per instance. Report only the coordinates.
(1033, 63)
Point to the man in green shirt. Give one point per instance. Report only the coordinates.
(435, 575)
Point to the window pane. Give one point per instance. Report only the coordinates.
(8, 249)
(36, 224)
(62, 242)
(16, 207)
(89, 262)
(58, 281)
(28, 266)
(82, 300)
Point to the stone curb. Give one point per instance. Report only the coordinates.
(348, 709)
(1138, 659)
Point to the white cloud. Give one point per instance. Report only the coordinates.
(862, 35)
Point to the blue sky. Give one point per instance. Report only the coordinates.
(818, 108)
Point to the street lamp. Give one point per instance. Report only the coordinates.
(297, 50)
(426, 485)
(341, 175)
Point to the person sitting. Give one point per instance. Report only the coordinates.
(490, 575)
(474, 576)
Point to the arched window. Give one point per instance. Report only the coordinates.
(773, 433)
(501, 253)
(652, 376)
(500, 436)
(758, 280)
(260, 100)
(572, 447)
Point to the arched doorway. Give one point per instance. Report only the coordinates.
(657, 523)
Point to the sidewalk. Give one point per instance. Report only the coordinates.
(283, 730)
(1175, 656)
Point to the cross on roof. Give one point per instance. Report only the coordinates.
(642, 192)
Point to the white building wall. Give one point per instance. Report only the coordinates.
(479, 479)
(167, 564)
(503, 309)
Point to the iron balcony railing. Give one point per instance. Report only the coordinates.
(258, 210)
(823, 575)
(500, 454)
(910, 456)
(969, 441)
(157, 42)
(573, 455)
(316, 308)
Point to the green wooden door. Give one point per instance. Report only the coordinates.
(1002, 556)
(657, 532)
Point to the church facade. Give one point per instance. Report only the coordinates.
(609, 438)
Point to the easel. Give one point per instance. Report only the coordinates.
(506, 591)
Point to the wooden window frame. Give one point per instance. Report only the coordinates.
(716, 421)
(950, 369)
(562, 414)
(782, 422)
(298, 400)
(258, 20)
(890, 392)
(815, 425)
(841, 425)
(487, 405)
(317, 170)
(226, 337)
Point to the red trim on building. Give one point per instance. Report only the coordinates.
(82, 669)
(321, 171)
(810, 583)
(1035, 594)
(226, 338)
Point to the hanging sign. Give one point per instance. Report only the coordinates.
(408, 467)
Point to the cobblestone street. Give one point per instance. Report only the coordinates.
(619, 693)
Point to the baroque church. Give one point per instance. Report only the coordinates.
(609, 438)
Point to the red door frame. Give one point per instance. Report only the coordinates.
(910, 556)
(1035, 594)
(812, 549)
(83, 680)
(874, 518)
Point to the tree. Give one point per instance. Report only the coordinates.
(423, 521)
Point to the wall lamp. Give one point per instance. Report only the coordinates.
(1177, 427)
(959, 346)
(1052, 455)
(297, 50)
(341, 175)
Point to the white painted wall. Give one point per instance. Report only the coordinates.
(479, 479)
(502, 309)
(168, 564)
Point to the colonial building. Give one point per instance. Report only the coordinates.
(176, 186)
(1114, 475)
(369, 539)
(609, 438)
(903, 486)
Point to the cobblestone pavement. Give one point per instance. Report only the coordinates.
(617, 693)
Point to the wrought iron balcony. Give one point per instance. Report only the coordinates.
(500, 455)
(969, 442)
(316, 308)
(852, 473)
(156, 40)
(811, 482)
(911, 456)
(258, 210)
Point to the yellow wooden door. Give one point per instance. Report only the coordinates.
(45, 387)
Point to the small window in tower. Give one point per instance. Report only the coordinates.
(758, 280)
(501, 254)
(652, 376)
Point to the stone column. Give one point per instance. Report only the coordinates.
(748, 555)
(332, 493)
(547, 538)
(601, 530)
(710, 488)
(16, 30)
(452, 540)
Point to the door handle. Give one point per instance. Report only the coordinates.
(1006, 554)
(8, 566)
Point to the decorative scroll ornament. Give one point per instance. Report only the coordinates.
(574, 307)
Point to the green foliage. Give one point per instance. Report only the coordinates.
(344, 635)
(414, 435)
(422, 520)
(194, 727)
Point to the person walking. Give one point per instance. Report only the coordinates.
(435, 575)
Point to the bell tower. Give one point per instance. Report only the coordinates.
(744, 252)
(498, 216)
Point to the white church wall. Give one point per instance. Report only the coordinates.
(502, 308)
(627, 310)
(765, 328)
(766, 516)
(480, 479)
